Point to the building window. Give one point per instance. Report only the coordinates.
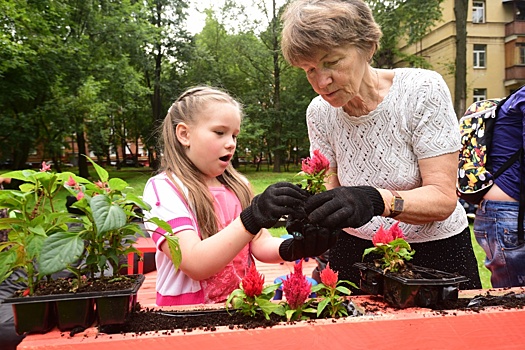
(520, 11)
(521, 53)
(478, 12)
(480, 54)
(479, 95)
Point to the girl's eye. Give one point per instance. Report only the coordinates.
(220, 133)
(234, 137)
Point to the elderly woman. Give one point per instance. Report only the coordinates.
(391, 137)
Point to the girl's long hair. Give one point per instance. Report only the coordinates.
(174, 161)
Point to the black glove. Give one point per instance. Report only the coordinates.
(277, 200)
(313, 242)
(341, 207)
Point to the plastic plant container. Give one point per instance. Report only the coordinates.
(430, 287)
(39, 314)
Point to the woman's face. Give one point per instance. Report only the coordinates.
(337, 74)
(213, 139)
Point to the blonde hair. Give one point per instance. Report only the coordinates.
(310, 26)
(186, 109)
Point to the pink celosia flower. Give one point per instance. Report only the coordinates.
(71, 182)
(296, 287)
(386, 236)
(80, 195)
(329, 277)
(396, 232)
(253, 282)
(100, 184)
(393, 248)
(315, 169)
(45, 167)
(316, 164)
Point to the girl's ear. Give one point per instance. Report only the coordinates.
(183, 134)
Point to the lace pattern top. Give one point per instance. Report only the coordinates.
(415, 120)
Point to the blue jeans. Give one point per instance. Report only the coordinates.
(495, 229)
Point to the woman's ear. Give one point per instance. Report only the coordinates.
(183, 134)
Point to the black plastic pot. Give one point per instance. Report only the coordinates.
(430, 288)
(39, 314)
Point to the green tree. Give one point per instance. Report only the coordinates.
(409, 20)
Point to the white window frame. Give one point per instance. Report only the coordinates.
(478, 12)
(479, 95)
(479, 56)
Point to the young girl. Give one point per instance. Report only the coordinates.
(207, 203)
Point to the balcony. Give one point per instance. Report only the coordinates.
(515, 28)
(515, 73)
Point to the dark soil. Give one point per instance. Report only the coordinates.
(153, 320)
(68, 285)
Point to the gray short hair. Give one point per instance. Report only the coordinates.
(313, 25)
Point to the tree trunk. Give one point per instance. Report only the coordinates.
(82, 161)
(278, 153)
(460, 88)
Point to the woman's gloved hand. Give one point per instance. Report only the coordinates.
(282, 198)
(313, 242)
(345, 206)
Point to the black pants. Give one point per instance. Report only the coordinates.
(453, 255)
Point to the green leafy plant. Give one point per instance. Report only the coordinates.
(253, 297)
(43, 240)
(392, 247)
(331, 293)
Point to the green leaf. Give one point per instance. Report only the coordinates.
(103, 175)
(266, 306)
(344, 290)
(270, 288)
(107, 216)
(7, 260)
(131, 197)
(176, 254)
(117, 184)
(161, 223)
(60, 250)
(322, 306)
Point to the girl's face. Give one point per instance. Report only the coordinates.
(337, 74)
(213, 139)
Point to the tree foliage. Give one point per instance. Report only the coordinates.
(407, 20)
(104, 73)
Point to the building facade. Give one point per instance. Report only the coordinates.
(495, 47)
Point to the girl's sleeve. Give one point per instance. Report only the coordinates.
(166, 204)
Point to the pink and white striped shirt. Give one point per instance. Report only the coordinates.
(173, 286)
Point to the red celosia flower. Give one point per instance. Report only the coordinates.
(395, 231)
(296, 287)
(382, 236)
(80, 195)
(71, 182)
(45, 167)
(316, 164)
(386, 236)
(253, 282)
(329, 277)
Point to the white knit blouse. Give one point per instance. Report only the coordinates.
(415, 120)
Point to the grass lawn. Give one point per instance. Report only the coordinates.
(137, 178)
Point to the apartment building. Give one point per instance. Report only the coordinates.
(495, 47)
